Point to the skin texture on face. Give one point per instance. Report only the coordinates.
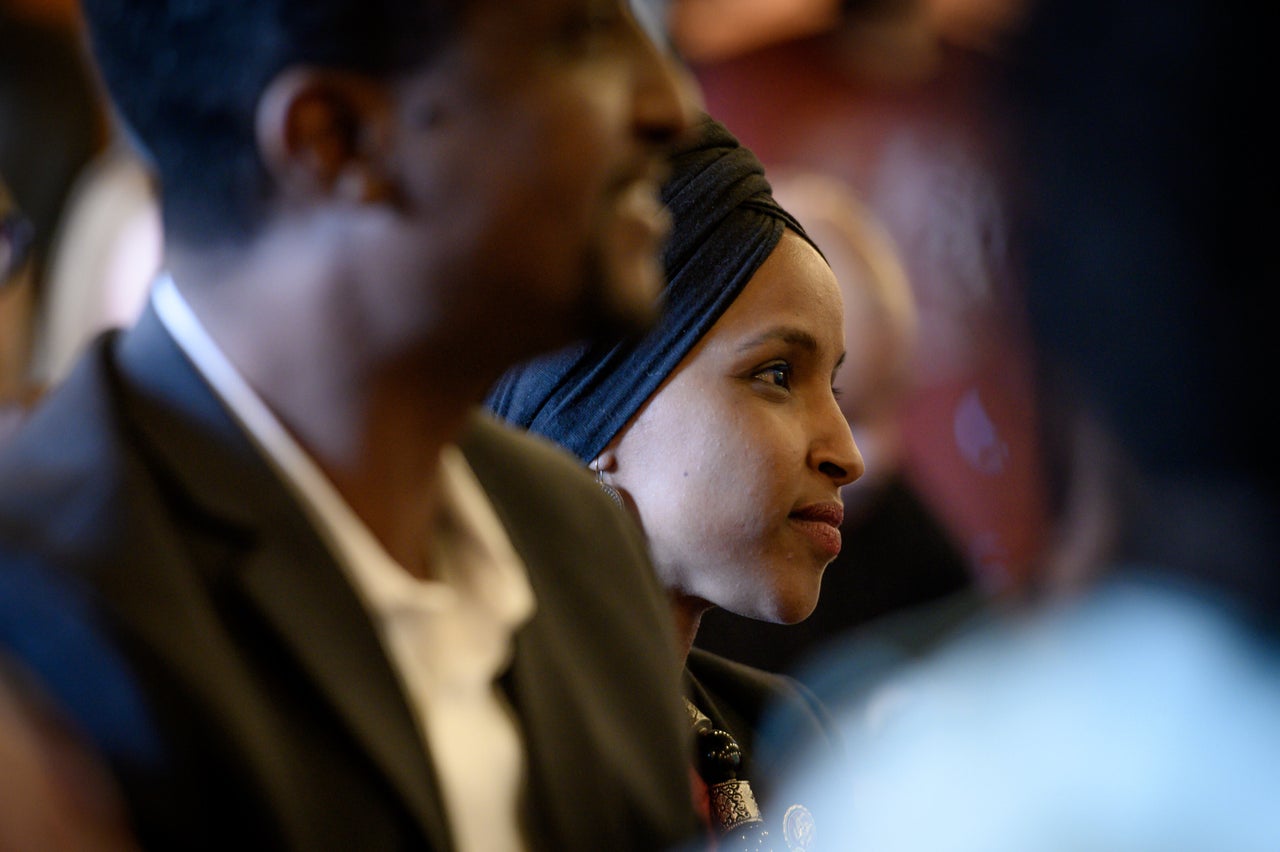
(879, 315)
(429, 231)
(735, 465)
(528, 160)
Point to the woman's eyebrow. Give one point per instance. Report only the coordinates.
(787, 334)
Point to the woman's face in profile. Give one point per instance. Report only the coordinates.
(735, 464)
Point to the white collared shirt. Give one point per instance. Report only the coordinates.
(448, 638)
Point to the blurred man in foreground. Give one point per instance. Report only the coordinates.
(347, 612)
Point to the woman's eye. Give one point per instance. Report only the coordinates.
(778, 375)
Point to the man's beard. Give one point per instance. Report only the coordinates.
(608, 312)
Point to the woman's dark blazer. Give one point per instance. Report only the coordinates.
(773, 718)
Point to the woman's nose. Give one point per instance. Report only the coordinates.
(835, 453)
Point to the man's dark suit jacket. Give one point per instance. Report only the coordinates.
(170, 592)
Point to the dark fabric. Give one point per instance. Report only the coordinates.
(725, 224)
(1151, 271)
(215, 654)
(773, 718)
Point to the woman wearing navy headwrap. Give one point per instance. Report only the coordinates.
(720, 428)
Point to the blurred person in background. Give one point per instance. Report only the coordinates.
(16, 237)
(1135, 705)
(91, 198)
(345, 609)
(720, 432)
(107, 253)
(52, 121)
(51, 127)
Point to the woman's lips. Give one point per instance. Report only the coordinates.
(820, 523)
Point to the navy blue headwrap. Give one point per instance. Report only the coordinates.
(725, 223)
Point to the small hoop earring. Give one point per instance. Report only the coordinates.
(609, 490)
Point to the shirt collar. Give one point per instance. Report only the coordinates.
(472, 548)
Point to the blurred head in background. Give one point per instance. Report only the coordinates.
(16, 238)
(51, 126)
(51, 119)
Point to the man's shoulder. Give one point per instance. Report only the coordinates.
(530, 480)
(100, 461)
(490, 443)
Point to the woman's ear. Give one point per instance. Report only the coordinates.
(606, 462)
(322, 134)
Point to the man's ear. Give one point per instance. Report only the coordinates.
(323, 133)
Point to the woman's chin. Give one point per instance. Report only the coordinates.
(784, 609)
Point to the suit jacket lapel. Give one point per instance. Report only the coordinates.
(285, 570)
(563, 766)
(551, 700)
(600, 754)
(318, 618)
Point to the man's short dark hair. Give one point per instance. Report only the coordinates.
(185, 77)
